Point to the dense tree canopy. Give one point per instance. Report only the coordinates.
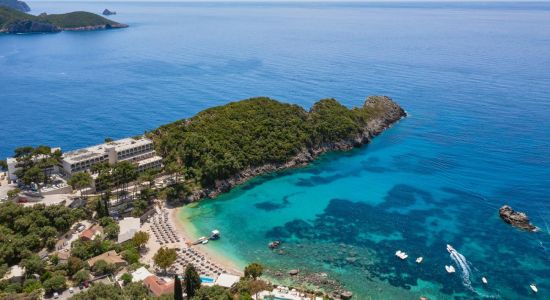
(24, 229)
(221, 141)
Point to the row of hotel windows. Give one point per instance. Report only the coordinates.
(153, 164)
(136, 149)
(82, 165)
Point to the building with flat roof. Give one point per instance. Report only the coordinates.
(136, 150)
(227, 280)
(128, 227)
(140, 274)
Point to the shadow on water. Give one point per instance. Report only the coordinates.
(272, 205)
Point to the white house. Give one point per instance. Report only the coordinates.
(128, 227)
(227, 280)
(140, 274)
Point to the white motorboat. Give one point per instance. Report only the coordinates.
(419, 260)
(450, 269)
(534, 288)
(484, 280)
(401, 254)
(204, 242)
(215, 234)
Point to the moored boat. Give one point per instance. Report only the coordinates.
(450, 269)
(534, 288)
(419, 260)
(215, 234)
(401, 254)
(484, 280)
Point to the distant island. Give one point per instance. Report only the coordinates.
(108, 12)
(14, 21)
(15, 4)
(226, 145)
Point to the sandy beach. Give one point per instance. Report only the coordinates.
(183, 229)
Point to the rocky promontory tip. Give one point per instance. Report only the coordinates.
(516, 219)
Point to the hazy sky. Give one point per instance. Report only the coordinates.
(30, 1)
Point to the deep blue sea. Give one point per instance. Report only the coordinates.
(474, 78)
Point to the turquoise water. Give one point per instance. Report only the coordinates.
(474, 78)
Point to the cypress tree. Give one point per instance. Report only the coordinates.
(178, 293)
(192, 281)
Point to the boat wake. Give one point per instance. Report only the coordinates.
(463, 265)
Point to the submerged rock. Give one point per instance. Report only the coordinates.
(346, 295)
(293, 272)
(516, 219)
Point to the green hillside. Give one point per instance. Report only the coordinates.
(15, 4)
(76, 19)
(14, 21)
(222, 141)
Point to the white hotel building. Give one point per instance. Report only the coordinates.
(139, 151)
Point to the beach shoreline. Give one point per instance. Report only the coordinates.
(183, 229)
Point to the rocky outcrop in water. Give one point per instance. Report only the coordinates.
(107, 12)
(391, 112)
(516, 219)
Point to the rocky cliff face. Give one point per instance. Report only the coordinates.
(390, 113)
(28, 26)
(516, 219)
(96, 27)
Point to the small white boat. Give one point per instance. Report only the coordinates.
(401, 254)
(450, 269)
(419, 260)
(204, 242)
(484, 280)
(534, 288)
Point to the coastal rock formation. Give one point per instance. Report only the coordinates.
(107, 12)
(516, 219)
(28, 26)
(15, 4)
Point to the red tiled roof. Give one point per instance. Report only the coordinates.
(89, 233)
(157, 286)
